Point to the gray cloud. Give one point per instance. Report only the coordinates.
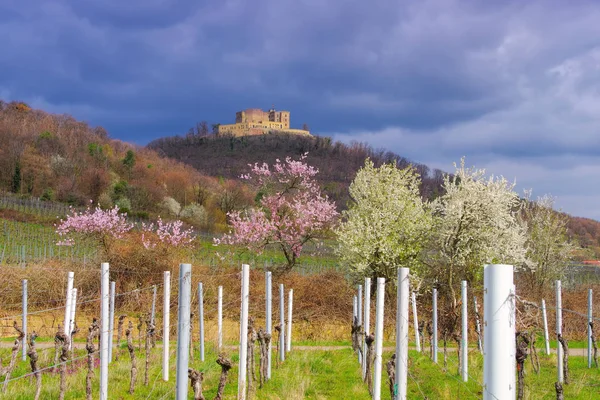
(512, 85)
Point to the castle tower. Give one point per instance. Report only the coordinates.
(285, 119)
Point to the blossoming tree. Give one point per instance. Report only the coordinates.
(104, 225)
(291, 210)
(170, 234)
(549, 247)
(476, 221)
(387, 223)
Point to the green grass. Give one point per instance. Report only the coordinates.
(311, 374)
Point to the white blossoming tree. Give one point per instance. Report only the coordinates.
(548, 246)
(476, 221)
(387, 222)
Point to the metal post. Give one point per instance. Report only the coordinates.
(499, 333)
(201, 318)
(289, 321)
(220, 318)
(72, 317)
(105, 295)
(153, 312)
(416, 322)
(465, 335)
(402, 324)
(25, 319)
(434, 339)
(546, 335)
(378, 338)
(282, 321)
(70, 277)
(559, 350)
(359, 313)
(244, 332)
(111, 321)
(589, 329)
(367, 321)
(269, 311)
(183, 330)
(166, 323)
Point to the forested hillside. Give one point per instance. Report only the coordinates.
(56, 157)
(229, 156)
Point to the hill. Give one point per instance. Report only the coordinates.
(55, 157)
(229, 156)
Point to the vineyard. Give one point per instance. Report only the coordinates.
(98, 304)
(29, 236)
(310, 354)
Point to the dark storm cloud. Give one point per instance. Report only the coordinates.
(512, 85)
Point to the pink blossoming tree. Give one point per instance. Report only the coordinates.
(291, 210)
(104, 225)
(169, 234)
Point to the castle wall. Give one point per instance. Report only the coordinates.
(255, 121)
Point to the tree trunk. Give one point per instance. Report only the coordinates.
(119, 336)
(14, 354)
(57, 346)
(477, 328)
(278, 330)
(64, 357)
(250, 360)
(522, 343)
(150, 328)
(391, 371)
(559, 391)
(535, 360)
(93, 332)
(139, 327)
(33, 359)
(73, 333)
(430, 334)
(196, 379)
(226, 365)
(445, 339)
(458, 352)
(129, 334)
(369, 340)
(191, 336)
(565, 346)
(355, 334)
(264, 339)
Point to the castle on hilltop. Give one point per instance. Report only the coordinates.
(254, 121)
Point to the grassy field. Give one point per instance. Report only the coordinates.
(306, 374)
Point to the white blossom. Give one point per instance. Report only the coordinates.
(475, 222)
(387, 222)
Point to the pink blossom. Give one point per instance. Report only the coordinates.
(292, 213)
(92, 222)
(167, 233)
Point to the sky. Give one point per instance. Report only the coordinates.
(513, 86)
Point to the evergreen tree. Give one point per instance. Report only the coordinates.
(16, 181)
